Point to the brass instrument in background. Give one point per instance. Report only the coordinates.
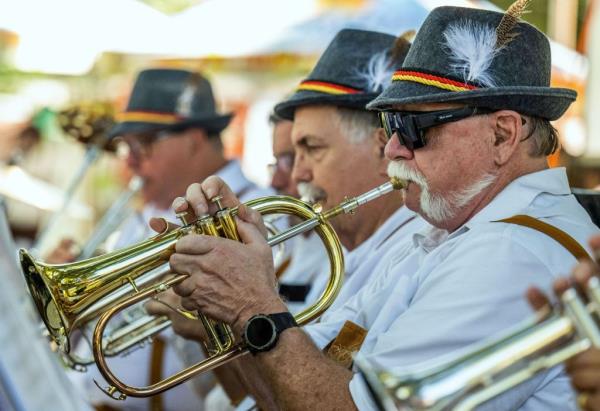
(68, 295)
(89, 124)
(112, 218)
(494, 366)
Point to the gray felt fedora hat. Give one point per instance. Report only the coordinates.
(344, 74)
(466, 56)
(170, 99)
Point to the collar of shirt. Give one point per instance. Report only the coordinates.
(397, 220)
(520, 193)
(235, 178)
(512, 200)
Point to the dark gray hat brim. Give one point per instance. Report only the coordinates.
(286, 109)
(214, 124)
(545, 102)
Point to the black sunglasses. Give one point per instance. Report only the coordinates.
(410, 126)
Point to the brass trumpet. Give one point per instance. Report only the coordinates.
(494, 366)
(68, 295)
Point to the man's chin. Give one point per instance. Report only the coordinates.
(412, 196)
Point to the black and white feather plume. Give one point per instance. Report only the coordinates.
(378, 72)
(473, 46)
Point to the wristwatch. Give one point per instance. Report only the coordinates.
(262, 330)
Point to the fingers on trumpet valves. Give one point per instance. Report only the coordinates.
(253, 217)
(214, 187)
(161, 226)
(198, 200)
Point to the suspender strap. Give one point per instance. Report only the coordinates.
(557, 234)
(156, 365)
(282, 267)
(346, 344)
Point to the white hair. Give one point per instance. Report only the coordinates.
(357, 125)
(434, 206)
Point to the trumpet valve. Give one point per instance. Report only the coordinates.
(183, 217)
(217, 200)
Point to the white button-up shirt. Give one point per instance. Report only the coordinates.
(133, 369)
(445, 291)
(359, 262)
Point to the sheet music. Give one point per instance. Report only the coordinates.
(31, 377)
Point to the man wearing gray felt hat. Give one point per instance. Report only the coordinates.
(170, 137)
(339, 145)
(467, 121)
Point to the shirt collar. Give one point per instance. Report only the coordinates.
(395, 222)
(521, 192)
(514, 199)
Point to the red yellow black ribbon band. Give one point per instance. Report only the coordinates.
(431, 80)
(149, 117)
(326, 87)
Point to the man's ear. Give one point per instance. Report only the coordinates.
(508, 131)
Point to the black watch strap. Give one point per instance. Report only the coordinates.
(283, 321)
(262, 330)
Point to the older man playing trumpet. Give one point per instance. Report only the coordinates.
(471, 140)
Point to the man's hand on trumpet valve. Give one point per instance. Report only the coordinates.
(228, 280)
(584, 369)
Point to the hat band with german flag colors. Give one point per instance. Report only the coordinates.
(165, 99)
(149, 117)
(326, 87)
(356, 66)
(433, 80)
(479, 58)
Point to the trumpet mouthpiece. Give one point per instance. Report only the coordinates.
(398, 183)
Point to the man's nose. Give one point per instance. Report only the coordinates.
(396, 151)
(280, 179)
(133, 161)
(301, 172)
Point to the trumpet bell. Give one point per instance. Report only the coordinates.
(46, 297)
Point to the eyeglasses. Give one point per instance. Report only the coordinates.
(140, 146)
(283, 162)
(410, 126)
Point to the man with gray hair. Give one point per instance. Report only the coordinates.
(333, 135)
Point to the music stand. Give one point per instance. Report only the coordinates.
(30, 376)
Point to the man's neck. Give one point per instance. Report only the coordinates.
(486, 197)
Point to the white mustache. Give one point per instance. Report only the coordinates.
(311, 193)
(399, 170)
(436, 207)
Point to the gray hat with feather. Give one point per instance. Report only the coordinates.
(353, 70)
(480, 58)
(170, 100)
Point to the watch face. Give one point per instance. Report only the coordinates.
(260, 332)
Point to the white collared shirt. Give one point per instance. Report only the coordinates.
(443, 292)
(399, 227)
